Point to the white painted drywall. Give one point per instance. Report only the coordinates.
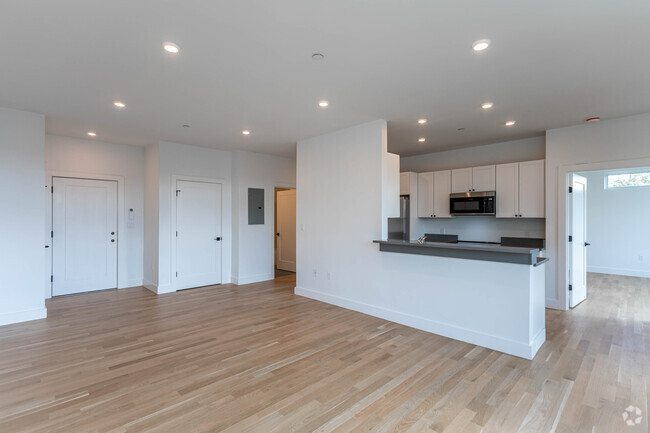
(22, 216)
(613, 140)
(253, 245)
(341, 192)
(478, 228)
(151, 216)
(528, 149)
(66, 156)
(617, 228)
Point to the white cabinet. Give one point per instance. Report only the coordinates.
(507, 188)
(473, 179)
(425, 195)
(483, 178)
(404, 183)
(531, 189)
(520, 190)
(441, 191)
(433, 194)
(461, 180)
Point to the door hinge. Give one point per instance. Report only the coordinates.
(570, 288)
(570, 189)
(52, 189)
(176, 274)
(51, 278)
(52, 234)
(570, 238)
(177, 191)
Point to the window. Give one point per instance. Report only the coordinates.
(627, 180)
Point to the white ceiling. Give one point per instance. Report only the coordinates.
(247, 65)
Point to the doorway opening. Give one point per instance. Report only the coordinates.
(285, 232)
(607, 228)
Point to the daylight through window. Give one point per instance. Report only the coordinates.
(627, 180)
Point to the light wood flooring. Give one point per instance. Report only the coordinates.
(257, 358)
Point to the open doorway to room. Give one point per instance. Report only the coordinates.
(607, 226)
(285, 231)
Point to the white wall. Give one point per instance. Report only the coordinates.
(151, 216)
(95, 159)
(342, 197)
(22, 188)
(478, 228)
(617, 228)
(625, 140)
(528, 149)
(253, 245)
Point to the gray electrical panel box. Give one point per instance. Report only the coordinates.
(255, 206)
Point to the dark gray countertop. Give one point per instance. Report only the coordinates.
(465, 250)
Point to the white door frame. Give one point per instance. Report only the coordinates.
(225, 232)
(122, 282)
(272, 231)
(563, 256)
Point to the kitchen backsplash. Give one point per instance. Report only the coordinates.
(483, 228)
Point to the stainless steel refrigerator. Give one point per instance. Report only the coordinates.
(398, 228)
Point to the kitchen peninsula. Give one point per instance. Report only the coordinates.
(494, 294)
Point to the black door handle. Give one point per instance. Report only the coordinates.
(277, 234)
(587, 244)
(217, 239)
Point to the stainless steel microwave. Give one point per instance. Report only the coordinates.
(473, 203)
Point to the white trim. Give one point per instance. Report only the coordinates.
(23, 316)
(224, 247)
(129, 284)
(562, 259)
(252, 279)
(159, 290)
(121, 227)
(272, 230)
(511, 347)
(619, 271)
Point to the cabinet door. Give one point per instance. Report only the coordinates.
(441, 191)
(461, 180)
(425, 195)
(483, 178)
(531, 189)
(404, 183)
(507, 188)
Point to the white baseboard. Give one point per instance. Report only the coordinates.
(619, 271)
(129, 283)
(23, 316)
(252, 279)
(159, 290)
(554, 304)
(520, 349)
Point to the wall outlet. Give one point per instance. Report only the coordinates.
(329, 275)
(315, 272)
(640, 258)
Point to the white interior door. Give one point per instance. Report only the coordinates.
(286, 202)
(198, 234)
(577, 246)
(84, 238)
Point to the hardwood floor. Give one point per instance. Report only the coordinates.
(257, 358)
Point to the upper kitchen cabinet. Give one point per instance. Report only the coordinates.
(532, 189)
(473, 179)
(425, 195)
(441, 191)
(520, 190)
(404, 184)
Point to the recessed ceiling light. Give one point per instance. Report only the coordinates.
(92, 134)
(487, 105)
(593, 119)
(510, 123)
(171, 47)
(246, 132)
(119, 104)
(422, 140)
(317, 56)
(323, 104)
(422, 121)
(481, 45)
